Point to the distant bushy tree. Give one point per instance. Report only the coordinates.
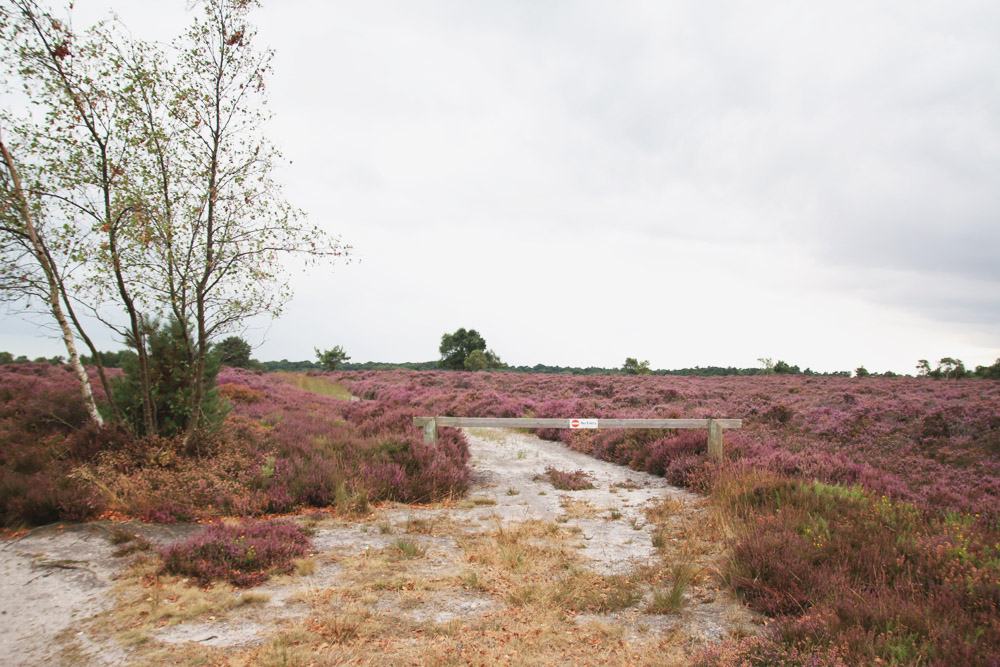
(330, 359)
(456, 348)
(109, 359)
(784, 368)
(989, 372)
(234, 352)
(947, 368)
(476, 361)
(950, 368)
(633, 366)
(6, 358)
(861, 372)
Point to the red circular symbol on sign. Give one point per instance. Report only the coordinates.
(575, 423)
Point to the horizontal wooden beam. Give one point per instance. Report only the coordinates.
(533, 422)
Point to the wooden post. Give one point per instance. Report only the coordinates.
(715, 439)
(431, 431)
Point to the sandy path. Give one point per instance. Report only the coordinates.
(52, 580)
(508, 466)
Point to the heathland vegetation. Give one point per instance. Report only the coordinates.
(863, 516)
(279, 448)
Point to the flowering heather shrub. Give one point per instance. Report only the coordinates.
(41, 442)
(850, 573)
(244, 554)
(45, 497)
(568, 481)
(323, 448)
(38, 398)
(765, 652)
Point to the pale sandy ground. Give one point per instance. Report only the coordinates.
(53, 579)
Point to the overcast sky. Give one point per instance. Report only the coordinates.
(692, 183)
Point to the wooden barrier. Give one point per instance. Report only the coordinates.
(714, 426)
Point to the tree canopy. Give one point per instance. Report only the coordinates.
(633, 366)
(457, 352)
(331, 359)
(234, 352)
(947, 368)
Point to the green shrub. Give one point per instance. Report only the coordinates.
(171, 375)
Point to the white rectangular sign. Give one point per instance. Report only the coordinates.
(583, 423)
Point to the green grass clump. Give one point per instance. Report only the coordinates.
(316, 384)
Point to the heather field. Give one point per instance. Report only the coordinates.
(935, 444)
(863, 515)
(281, 448)
(858, 519)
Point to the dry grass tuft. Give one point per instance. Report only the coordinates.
(303, 567)
(477, 501)
(580, 590)
(354, 622)
(407, 548)
(255, 597)
(577, 509)
(663, 510)
(670, 599)
(288, 649)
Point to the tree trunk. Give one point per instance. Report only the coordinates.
(54, 292)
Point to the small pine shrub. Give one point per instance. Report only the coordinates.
(171, 377)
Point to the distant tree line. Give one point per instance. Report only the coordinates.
(949, 368)
(466, 350)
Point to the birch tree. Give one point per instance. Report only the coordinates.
(29, 269)
(222, 225)
(81, 144)
(155, 159)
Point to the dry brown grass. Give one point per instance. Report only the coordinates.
(476, 501)
(522, 593)
(535, 564)
(303, 567)
(148, 599)
(510, 637)
(576, 509)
